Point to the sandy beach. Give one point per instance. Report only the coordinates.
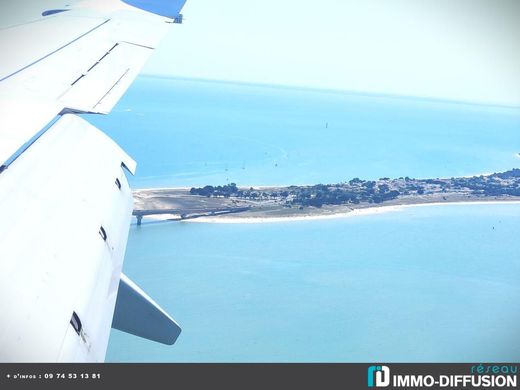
(347, 214)
(367, 211)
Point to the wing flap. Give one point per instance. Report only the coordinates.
(136, 313)
(101, 87)
(59, 63)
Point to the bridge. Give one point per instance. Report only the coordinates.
(187, 213)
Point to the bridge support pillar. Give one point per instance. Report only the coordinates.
(139, 219)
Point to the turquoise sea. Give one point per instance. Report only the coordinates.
(434, 283)
(187, 132)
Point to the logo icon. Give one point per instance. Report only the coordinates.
(378, 376)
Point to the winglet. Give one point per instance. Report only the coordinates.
(136, 313)
(168, 8)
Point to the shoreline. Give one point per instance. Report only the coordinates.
(367, 211)
(266, 204)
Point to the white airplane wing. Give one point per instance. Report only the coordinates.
(65, 203)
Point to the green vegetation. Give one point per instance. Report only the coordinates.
(224, 191)
(358, 191)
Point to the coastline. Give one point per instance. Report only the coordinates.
(367, 211)
(268, 204)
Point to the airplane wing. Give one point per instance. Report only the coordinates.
(65, 203)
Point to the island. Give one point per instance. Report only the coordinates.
(320, 199)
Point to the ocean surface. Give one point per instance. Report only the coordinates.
(431, 283)
(193, 133)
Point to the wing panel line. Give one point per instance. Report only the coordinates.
(53, 52)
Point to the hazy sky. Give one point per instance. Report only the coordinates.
(452, 49)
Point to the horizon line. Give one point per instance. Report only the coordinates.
(332, 90)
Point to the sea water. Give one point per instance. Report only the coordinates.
(422, 284)
(193, 133)
(433, 283)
